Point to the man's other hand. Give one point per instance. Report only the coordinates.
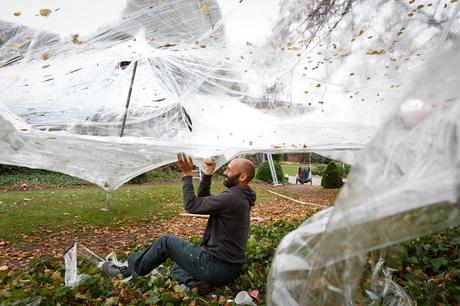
(208, 166)
(185, 163)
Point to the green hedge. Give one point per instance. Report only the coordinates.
(318, 169)
(264, 174)
(332, 177)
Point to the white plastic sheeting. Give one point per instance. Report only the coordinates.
(322, 76)
(79, 252)
(323, 80)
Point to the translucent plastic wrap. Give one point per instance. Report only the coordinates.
(79, 252)
(406, 184)
(105, 91)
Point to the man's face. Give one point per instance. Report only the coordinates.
(231, 175)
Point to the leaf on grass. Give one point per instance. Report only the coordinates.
(56, 275)
(222, 300)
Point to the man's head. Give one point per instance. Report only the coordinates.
(239, 172)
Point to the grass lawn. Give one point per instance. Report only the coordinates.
(430, 269)
(291, 169)
(30, 212)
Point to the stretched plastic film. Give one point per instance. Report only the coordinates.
(115, 89)
(406, 184)
(105, 91)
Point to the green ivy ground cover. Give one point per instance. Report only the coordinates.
(43, 283)
(430, 271)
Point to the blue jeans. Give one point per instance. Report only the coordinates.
(191, 264)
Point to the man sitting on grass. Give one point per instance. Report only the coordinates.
(218, 261)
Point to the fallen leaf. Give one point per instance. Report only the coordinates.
(56, 275)
(222, 299)
(45, 12)
(77, 40)
(205, 9)
(46, 55)
(376, 52)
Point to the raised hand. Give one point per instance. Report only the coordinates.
(208, 166)
(185, 163)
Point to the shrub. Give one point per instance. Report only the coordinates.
(141, 178)
(264, 174)
(6, 169)
(344, 169)
(347, 169)
(318, 169)
(332, 177)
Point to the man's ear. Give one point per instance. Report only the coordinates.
(243, 177)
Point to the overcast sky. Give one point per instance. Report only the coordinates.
(248, 20)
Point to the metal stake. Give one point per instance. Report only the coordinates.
(128, 100)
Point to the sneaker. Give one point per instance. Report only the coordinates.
(112, 270)
(204, 288)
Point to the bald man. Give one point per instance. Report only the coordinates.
(218, 261)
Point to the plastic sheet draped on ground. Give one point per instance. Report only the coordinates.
(221, 78)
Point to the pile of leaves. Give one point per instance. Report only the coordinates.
(43, 283)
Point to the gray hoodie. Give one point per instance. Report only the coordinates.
(227, 229)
